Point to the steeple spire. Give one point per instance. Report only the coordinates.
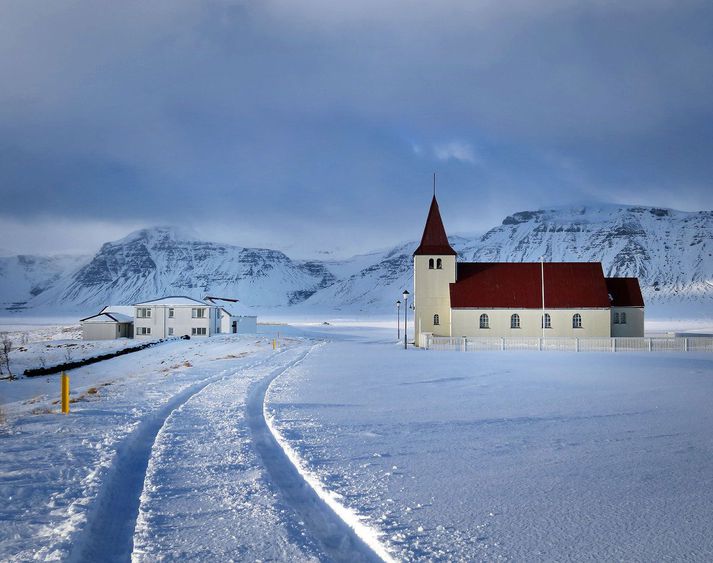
(434, 239)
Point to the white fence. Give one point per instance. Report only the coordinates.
(565, 344)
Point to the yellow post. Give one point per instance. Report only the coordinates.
(65, 393)
(274, 344)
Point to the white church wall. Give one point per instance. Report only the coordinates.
(466, 322)
(634, 325)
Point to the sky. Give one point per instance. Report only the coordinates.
(316, 126)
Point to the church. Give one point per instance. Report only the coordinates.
(508, 299)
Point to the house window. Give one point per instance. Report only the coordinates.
(576, 320)
(547, 321)
(484, 321)
(439, 264)
(436, 320)
(198, 313)
(622, 318)
(170, 331)
(616, 318)
(430, 263)
(143, 330)
(515, 321)
(143, 312)
(170, 313)
(198, 331)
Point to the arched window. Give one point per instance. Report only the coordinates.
(622, 318)
(439, 264)
(436, 320)
(515, 321)
(547, 321)
(484, 321)
(430, 263)
(576, 320)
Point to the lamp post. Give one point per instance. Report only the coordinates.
(405, 295)
(542, 279)
(398, 321)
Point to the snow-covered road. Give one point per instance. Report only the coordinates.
(160, 463)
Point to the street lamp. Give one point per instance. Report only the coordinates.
(405, 295)
(398, 321)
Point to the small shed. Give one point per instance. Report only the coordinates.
(107, 326)
(235, 318)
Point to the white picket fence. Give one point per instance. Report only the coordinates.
(565, 344)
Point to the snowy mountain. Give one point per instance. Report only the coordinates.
(670, 251)
(166, 261)
(24, 277)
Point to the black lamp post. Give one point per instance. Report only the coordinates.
(398, 321)
(405, 295)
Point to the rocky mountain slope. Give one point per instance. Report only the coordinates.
(23, 277)
(670, 251)
(166, 261)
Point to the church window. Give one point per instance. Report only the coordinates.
(515, 321)
(430, 263)
(576, 320)
(439, 264)
(622, 318)
(436, 320)
(484, 321)
(547, 321)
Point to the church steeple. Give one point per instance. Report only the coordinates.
(434, 240)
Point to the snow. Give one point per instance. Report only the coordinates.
(106, 318)
(52, 345)
(341, 445)
(60, 473)
(516, 456)
(127, 310)
(172, 300)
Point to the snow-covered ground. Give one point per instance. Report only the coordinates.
(515, 456)
(169, 453)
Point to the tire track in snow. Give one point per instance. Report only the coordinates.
(337, 530)
(108, 535)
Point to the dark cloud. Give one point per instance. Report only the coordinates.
(317, 124)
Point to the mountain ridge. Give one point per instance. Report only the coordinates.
(669, 250)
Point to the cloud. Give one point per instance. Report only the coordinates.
(279, 120)
(455, 150)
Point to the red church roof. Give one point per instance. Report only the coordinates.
(568, 285)
(625, 292)
(434, 239)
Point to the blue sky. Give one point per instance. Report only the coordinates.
(316, 125)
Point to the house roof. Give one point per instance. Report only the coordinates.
(108, 318)
(434, 239)
(173, 300)
(127, 310)
(519, 285)
(625, 292)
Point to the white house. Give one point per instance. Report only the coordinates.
(170, 316)
(176, 316)
(499, 299)
(110, 323)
